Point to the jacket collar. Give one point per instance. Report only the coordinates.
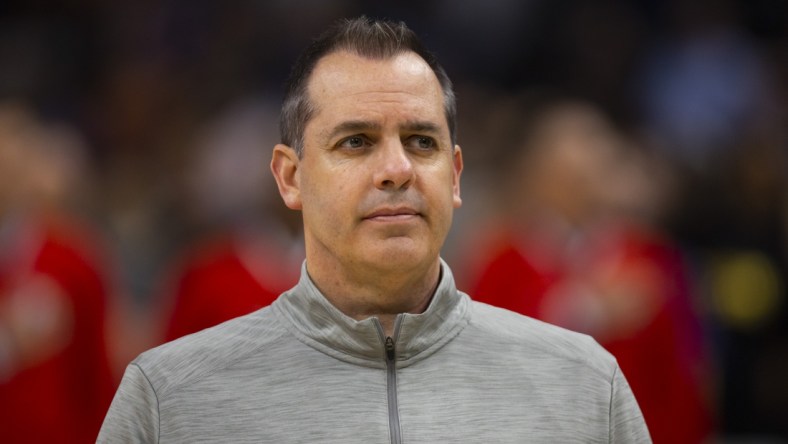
(317, 323)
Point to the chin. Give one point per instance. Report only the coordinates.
(401, 257)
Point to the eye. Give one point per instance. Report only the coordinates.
(422, 142)
(353, 142)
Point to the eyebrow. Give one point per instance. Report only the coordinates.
(421, 126)
(352, 126)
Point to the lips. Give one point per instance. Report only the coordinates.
(392, 213)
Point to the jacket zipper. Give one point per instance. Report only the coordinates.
(389, 345)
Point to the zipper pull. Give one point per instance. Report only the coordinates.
(389, 348)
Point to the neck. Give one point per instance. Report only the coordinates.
(377, 293)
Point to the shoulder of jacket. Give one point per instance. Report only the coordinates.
(189, 358)
(534, 336)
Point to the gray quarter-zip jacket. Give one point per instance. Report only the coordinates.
(300, 371)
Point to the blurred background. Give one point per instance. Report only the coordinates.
(625, 176)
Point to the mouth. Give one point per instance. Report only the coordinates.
(399, 214)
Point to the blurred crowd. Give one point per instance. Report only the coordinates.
(626, 176)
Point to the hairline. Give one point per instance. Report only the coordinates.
(313, 108)
(304, 99)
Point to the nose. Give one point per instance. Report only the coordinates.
(394, 169)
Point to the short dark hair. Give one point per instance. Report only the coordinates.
(374, 39)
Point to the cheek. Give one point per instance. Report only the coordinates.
(328, 202)
(441, 186)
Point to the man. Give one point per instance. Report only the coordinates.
(375, 343)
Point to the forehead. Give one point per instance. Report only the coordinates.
(343, 81)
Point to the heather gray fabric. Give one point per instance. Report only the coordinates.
(300, 371)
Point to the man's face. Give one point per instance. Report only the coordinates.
(379, 178)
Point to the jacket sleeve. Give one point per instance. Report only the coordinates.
(626, 420)
(133, 416)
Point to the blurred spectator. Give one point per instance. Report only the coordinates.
(55, 380)
(247, 251)
(576, 251)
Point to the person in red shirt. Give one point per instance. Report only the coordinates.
(572, 253)
(55, 379)
(249, 250)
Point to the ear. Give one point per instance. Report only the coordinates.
(457, 167)
(285, 167)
